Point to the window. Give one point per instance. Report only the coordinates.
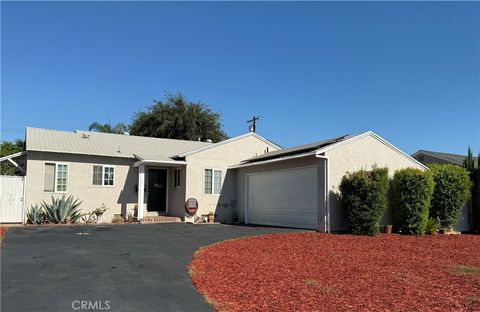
(176, 178)
(108, 175)
(208, 181)
(55, 177)
(97, 175)
(213, 181)
(103, 175)
(49, 178)
(217, 181)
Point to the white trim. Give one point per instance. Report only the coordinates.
(158, 162)
(326, 195)
(272, 160)
(246, 198)
(15, 155)
(141, 192)
(375, 136)
(80, 153)
(24, 202)
(213, 145)
(17, 166)
(55, 177)
(103, 175)
(213, 181)
(179, 178)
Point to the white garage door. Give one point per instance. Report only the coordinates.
(283, 198)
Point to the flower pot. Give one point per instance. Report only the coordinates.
(387, 229)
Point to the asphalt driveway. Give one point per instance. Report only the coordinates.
(133, 267)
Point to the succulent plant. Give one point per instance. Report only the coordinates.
(62, 210)
(35, 215)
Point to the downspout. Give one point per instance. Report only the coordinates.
(326, 191)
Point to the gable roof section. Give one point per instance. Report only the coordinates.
(455, 159)
(318, 148)
(106, 144)
(296, 150)
(204, 148)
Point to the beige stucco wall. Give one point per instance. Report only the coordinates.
(119, 199)
(221, 157)
(362, 153)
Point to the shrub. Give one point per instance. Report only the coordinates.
(364, 195)
(35, 215)
(411, 195)
(62, 210)
(451, 192)
(432, 226)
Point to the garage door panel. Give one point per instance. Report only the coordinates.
(284, 198)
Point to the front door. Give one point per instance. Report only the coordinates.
(157, 190)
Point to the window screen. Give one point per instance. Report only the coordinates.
(49, 178)
(208, 181)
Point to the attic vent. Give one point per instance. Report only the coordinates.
(85, 136)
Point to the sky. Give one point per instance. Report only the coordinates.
(409, 71)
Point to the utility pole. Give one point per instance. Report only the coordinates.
(252, 123)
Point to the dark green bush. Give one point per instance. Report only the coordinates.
(412, 191)
(451, 192)
(364, 195)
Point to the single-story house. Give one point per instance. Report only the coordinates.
(429, 157)
(248, 175)
(464, 223)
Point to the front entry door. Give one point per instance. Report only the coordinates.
(157, 190)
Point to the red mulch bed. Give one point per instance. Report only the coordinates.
(3, 230)
(322, 272)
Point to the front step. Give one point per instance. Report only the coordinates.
(159, 219)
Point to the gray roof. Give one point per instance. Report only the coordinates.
(107, 144)
(301, 149)
(455, 159)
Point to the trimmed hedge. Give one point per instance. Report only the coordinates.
(364, 195)
(412, 191)
(451, 192)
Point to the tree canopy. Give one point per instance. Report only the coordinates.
(119, 128)
(177, 118)
(8, 148)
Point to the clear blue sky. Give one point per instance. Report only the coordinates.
(408, 71)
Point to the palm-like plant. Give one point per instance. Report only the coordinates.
(62, 210)
(119, 128)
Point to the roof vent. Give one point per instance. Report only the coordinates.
(125, 133)
(208, 141)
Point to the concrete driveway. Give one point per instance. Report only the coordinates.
(108, 267)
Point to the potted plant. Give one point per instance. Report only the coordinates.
(211, 217)
(387, 229)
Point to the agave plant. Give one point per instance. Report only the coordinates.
(62, 210)
(35, 215)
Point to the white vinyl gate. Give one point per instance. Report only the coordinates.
(11, 199)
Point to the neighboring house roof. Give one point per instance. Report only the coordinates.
(207, 147)
(107, 144)
(455, 159)
(318, 148)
